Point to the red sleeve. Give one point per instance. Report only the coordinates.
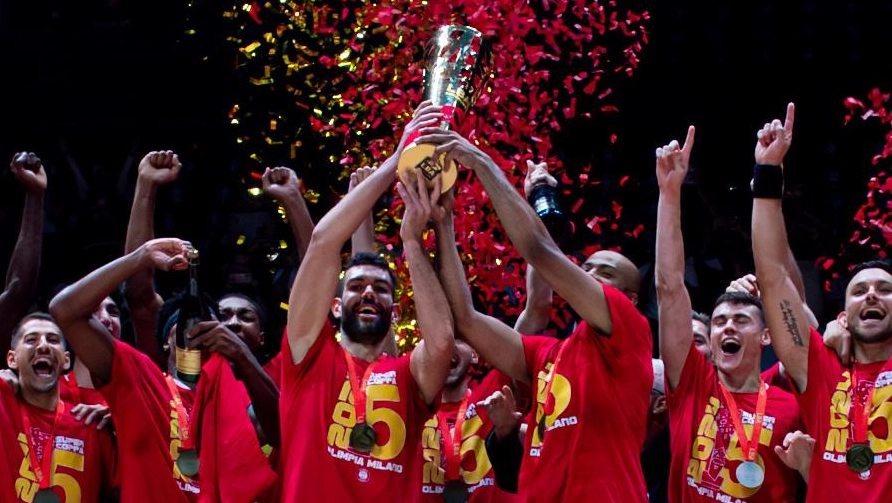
(296, 372)
(538, 350)
(824, 370)
(631, 332)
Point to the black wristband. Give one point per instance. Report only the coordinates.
(768, 181)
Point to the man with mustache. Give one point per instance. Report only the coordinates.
(845, 407)
(351, 415)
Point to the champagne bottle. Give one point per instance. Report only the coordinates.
(192, 311)
(544, 200)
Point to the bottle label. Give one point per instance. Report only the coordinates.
(188, 363)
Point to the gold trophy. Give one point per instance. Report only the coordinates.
(459, 61)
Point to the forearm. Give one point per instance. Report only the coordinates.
(300, 221)
(24, 264)
(673, 301)
(434, 319)
(452, 276)
(140, 288)
(79, 299)
(537, 311)
(363, 240)
(524, 228)
(264, 396)
(336, 227)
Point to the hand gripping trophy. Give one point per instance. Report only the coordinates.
(458, 65)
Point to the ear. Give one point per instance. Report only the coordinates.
(843, 319)
(336, 306)
(474, 358)
(66, 361)
(262, 338)
(659, 405)
(765, 337)
(396, 312)
(11, 361)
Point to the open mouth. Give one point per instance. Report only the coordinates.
(43, 368)
(872, 314)
(730, 346)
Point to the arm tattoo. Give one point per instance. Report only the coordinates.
(790, 322)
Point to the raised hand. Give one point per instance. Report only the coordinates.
(426, 115)
(28, 170)
(746, 284)
(672, 164)
(281, 183)
(454, 146)
(359, 175)
(774, 139)
(501, 408)
(838, 337)
(159, 167)
(167, 254)
(421, 205)
(536, 175)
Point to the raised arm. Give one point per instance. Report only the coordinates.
(673, 299)
(73, 307)
(316, 281)
(363, 240)
(787, 320)
(283, 185)
(430, 360)
(537, 309)
(494, 341)
(156, 168)
(527, 232)
(24, 264)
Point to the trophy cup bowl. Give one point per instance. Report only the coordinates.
(458, 63)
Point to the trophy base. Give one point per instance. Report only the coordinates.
(421, 155)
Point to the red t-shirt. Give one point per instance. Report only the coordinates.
(827, 412)
(72, 392)
(84, 458)
(601, 396)
(273, 369)
(148, 429)
(317, 416)
(475, 469)
(705, 447)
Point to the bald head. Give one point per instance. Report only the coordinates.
(616, 270)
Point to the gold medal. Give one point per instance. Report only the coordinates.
(859, 457)
(455, 491)
(187, 462)
(363, 438)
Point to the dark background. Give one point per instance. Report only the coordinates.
(114, 79)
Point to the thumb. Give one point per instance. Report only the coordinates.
(781, 453)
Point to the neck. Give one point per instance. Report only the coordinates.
(741, 383)
(82, 374)
(46, 400)
(455, 394)
(872, 352)
(367, 352)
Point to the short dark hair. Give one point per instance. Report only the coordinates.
(701, 317)
(735, 297)
(869, 264)
(19, 331)
(367, 258)
(170, 312)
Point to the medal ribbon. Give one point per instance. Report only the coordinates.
(358, 388)
(861, 410)
(186, 443)
(452, 442)
(749, 445)
(41, 470)
(549, 400)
